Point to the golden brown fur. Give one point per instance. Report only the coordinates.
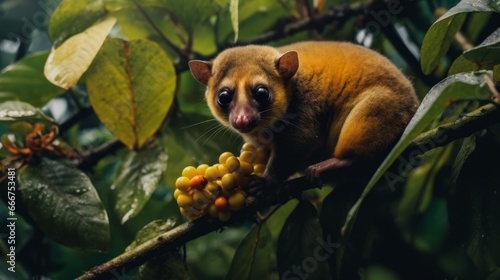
(344, 101)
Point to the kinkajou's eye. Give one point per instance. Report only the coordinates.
(224, 98)
(262, 96)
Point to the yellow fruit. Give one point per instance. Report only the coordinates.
(202, 168)
(247, 156)
(190, 213)
(232, 163)
(242, 180)
(189, 172)
(246, 168)
(184, 200)
(222, 170)
(259, 168)
(182, 183)
(227, 193)
(201, 199)
(228, 181)
(224, 215)
(236, 201)
(177, 192)
(213, 211)
(224, 156)
(212, 173)
(248, 147)
(212, 187)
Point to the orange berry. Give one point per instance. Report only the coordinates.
(198, 182)
(221, 203)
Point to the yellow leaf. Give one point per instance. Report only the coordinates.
(67, 63)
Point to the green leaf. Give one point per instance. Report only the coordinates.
(131, 87)
(496, 73)
(65, 205)
(20, 111)
(233, 10)
(300, 244)
(190, 14)
(488, 52)
(67, 63)
(483, 56)
(24, 81)
(477, 23)
(150, 231)
(438, 40)
(277, 220)
(137, 178)
(168, 265)
(462, 65)
(441, 34)
(459, 86)
(468, 146)
(474, 204)
(137, 19)
(72, 17)
(252, 257)
(419, 186)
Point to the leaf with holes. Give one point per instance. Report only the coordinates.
(64, 204)
(131, 86)
(137, 178)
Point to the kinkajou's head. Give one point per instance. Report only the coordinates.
(246, 86)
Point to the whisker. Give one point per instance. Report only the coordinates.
(209, 130)
(198, 123)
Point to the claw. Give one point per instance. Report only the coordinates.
(315, 172)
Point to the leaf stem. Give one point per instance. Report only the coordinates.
(178, 50)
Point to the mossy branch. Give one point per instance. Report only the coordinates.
(469, 124)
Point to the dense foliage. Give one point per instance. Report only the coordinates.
(99, 115)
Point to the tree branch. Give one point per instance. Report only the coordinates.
(337, 14)
(470, 123)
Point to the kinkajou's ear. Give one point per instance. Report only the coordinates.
(201, 70)
(288, 64)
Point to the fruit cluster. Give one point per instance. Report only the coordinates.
(219, 189)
